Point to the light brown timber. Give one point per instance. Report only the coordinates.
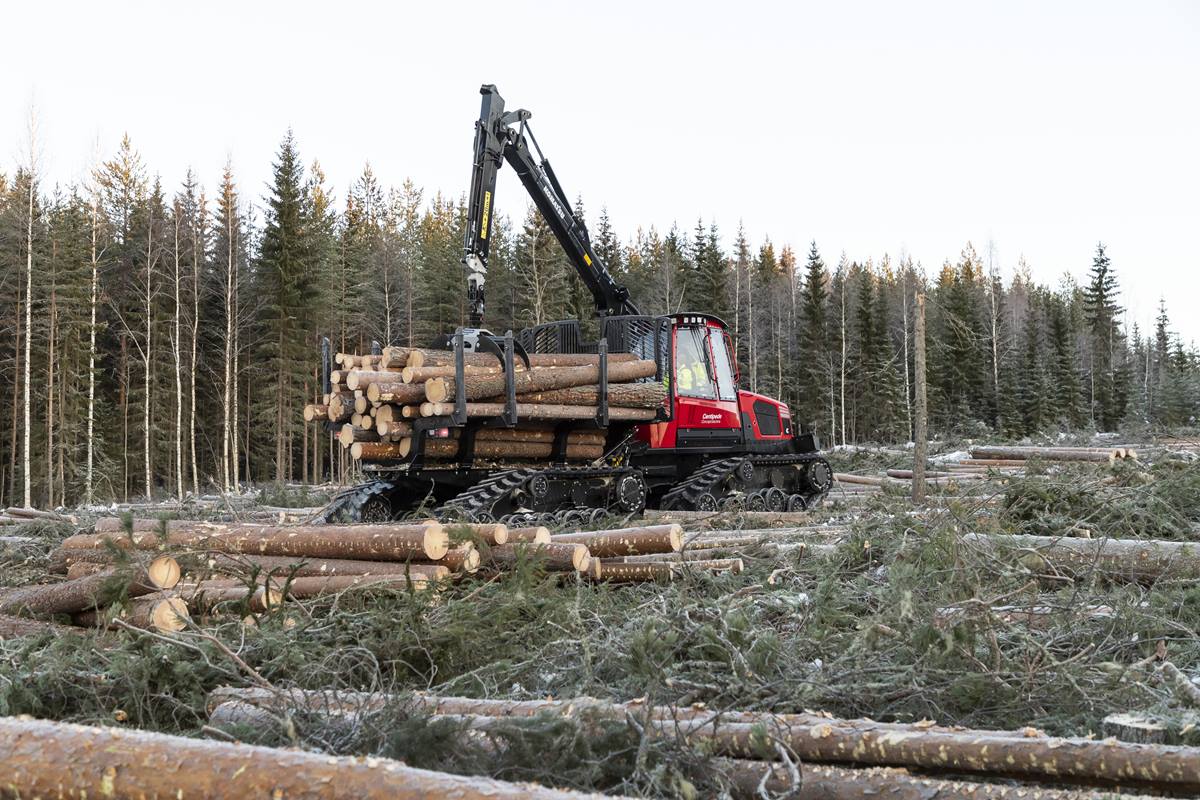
(478, 387)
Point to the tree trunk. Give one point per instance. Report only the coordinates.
(921, 433)
(176, 344)
(622, 571)
(478, 387)
(1105, 456)
(627, 541)
(383, 542)
(44, 759)
(152, 612)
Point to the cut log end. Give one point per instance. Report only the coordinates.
(163, 572)
(170, 615)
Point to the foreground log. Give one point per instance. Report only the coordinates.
(536, 534)
(13, 627)
(824, 782)
(349, 434)
(153, 612)
(540, 411)
(304, 588)
(479, 387)
(54, 759)
(618, 570)
(370, 542)
(491, 533)
(1137, 560)
(555, 556)
(91, 591)
(282, 567)
(627, 541)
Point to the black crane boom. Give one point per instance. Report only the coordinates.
(497, 140)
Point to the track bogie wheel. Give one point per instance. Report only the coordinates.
(631, 493)
(539, 486)
(376, 510)
(756, 502)
(745, 471)
(706, 502)
(776, 499)
(819, 476)
(797, 502)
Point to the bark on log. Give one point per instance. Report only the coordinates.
(33, 513)
(12, 627)
(395, 392)
(370, 542)
(445, 358)
(314, 412)
(701, 520)
(54, 759)
(1106, 456)
(554, 557)
(305, 588)
(492, 533)
(340, 407)
(281, 567)
(627, 541)
(540, 411)
(464, 558)
(625, 570)
(90, 591)
(1137, 560)
(153, 613)
(361, 403)
(996, 462)
(629, 395)
(422, 374)
(532, 435)
(444, 448)
(825, 782)
(349, 434)
(394, 357)
(380, 451)
(360, 378)
(478, 387)
(535, 535)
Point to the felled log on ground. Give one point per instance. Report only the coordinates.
(825, 782)
(1106, 456)
(33, 513)
(627, 541)
(13, 627)
(92, 590)
(540, 411)
(281, 567)
(479, 387)
(369, 542)
(1116, 559)
(701, 520)
(996, 462)
(535, 535)
(304, 588)
(152, 612)
(55, 759)
(618, 570)
(553, 556)
(491, 533)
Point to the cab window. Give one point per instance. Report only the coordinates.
(692, 373)
(721, 362)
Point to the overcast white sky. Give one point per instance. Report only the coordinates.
(871, 127)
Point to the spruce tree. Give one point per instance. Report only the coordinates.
(815, 352)
(1100, 305)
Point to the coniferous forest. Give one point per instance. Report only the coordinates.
(161, 340)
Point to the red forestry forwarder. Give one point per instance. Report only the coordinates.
(711, 445)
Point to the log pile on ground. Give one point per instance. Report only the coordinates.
(374, 400)
(161, 575)
(1099, 455)
(808, 738)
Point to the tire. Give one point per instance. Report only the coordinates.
(706, 502)
(776, 499)
(756, 502)
(797, 502)
(745, 471)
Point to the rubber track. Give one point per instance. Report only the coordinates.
(347, 506)
(684, 496)
(478, 502)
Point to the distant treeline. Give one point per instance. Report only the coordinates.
(158, 340)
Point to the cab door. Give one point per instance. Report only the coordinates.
(706, 409)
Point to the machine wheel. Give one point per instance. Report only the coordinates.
(745, 471)
(706, 502)
(776, 499)
(756, 502)
(796, 502)
(539, 486)
(819, 476)
(375, 510)
(631, 493)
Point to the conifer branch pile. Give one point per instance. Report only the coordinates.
(376, 398)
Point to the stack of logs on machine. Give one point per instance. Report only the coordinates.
(157, 574)
(376, 398)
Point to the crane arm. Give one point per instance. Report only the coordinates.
(497, 139)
